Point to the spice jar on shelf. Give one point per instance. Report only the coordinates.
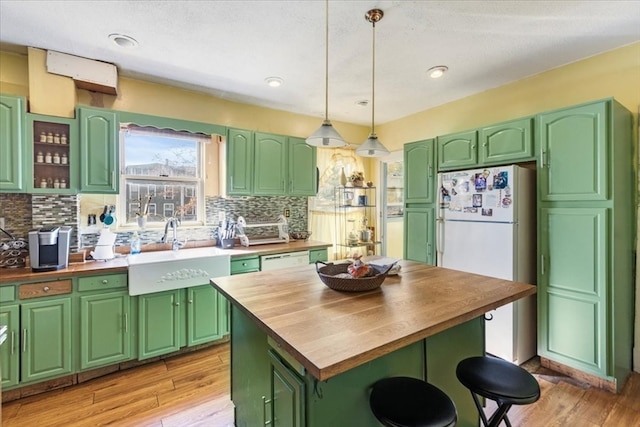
(43, 183)
(56, 158)
(63, 139)
(50, 138)
(39, 157)
(63, 183)
(43, 137)
(56, 183)
(56, 138)
(64, 159)
(47, 158)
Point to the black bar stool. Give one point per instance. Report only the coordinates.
(498, 380)
(410, 402)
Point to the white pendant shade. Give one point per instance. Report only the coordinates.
(326, 136)
(372, 147)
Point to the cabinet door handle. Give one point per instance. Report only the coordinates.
(176, 304)
(126, 322)
(543, 158)
(265, 402)
(13, 342)
(24, 340)
(542, 264)
(190, 301)
(105, 281)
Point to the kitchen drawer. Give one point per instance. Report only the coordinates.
(7, 293)
(245, 265)
(318, 255)
(105, 281)
(45, 289)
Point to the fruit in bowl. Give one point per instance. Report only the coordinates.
(299, 235)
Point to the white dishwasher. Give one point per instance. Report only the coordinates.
(286, 260)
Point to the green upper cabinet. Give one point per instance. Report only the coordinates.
(263, 164)
(506, 142)
(98, 150)
(302, 159)
(239, 162)
(419, 185)
(12, 110)
(52, 160)
(270, 165)
(574, 148)
(458, 150)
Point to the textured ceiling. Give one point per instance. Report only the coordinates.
(228, 48)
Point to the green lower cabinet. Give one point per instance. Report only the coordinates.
(105, 329)
(419, 241)
(158, 323)
(203, 322)
(287, 395)
(46, 339)
(318, 255)
(10, 350)
(572, 297)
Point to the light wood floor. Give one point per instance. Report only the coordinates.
(193, 390)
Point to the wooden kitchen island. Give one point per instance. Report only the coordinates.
(305, 355)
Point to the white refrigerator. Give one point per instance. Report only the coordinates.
(486, 224)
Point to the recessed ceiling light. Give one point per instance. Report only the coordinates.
(123, 40)
(437, 71)
(274, 81)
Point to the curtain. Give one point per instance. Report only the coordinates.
(331, 161)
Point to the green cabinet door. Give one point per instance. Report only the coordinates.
(572, 287)
(67, 165)
(239, 162)
(458, 150)
(419, 181)
(574, 151)
(419, 232)
(158, 323)
(10, 350)
(105, 334)
(98, 150)
(203, 323)
(270, 173)
(507, 142)
(287, 399)
(12, 110)
(302, 176)
(46, 339)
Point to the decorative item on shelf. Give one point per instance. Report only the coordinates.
(63, 139)
(357, 179)
(40, 157)
(369, 184)
(56, 138)
(143, 211)
(50, 138)
(47, 158)
(343, 178)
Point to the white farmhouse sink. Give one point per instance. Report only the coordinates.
(159, 271)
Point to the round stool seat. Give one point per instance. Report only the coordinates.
(404, 402)
(498, 380)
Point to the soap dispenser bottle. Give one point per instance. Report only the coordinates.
(135, 243)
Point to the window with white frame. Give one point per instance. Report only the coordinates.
(162, 174)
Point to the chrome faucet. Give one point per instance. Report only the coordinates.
(173, 222)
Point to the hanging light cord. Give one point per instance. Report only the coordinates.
(373, 79)
(326, 64)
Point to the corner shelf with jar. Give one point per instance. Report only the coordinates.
(52, 155)
(355, 211)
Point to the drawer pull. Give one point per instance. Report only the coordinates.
(105, 281)
(46, 289)
(176, 304)
(190, 301)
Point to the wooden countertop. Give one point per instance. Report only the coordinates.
(120, 264)
(331, 332)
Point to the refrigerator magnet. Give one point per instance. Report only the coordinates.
(487, 212)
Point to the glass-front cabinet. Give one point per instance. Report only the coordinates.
(52, 154)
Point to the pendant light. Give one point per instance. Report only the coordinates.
(326, 136)
(372, 147)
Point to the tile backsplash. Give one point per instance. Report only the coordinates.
(24, 212)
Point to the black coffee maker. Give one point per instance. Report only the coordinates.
(49, 248)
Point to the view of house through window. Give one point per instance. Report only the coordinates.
(162, 174)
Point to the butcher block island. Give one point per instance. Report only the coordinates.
(305, 355)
